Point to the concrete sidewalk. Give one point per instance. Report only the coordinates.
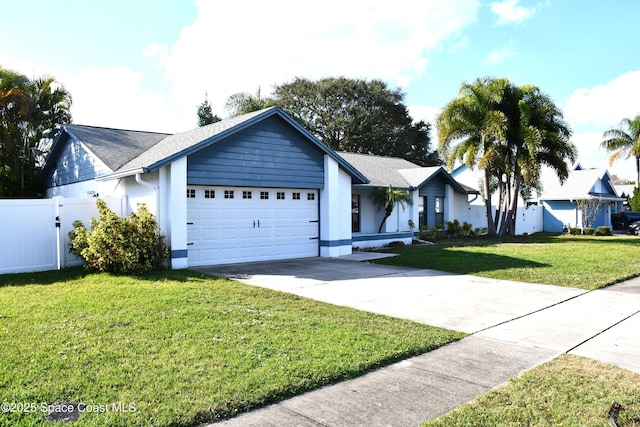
(515, 327)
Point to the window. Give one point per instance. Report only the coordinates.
(311, 196)
(247, 195)
(439, 210)
(355, 213)
(295, 196)
(191, 193)
(422, 218)
(264, 195)
(280, 195)
(228, 194)
(209, 194)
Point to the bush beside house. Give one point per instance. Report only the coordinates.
(130, 245)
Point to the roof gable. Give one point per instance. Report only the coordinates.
(581, 184)
(183, 144)
(114, 147)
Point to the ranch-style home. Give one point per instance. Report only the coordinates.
(250, 188)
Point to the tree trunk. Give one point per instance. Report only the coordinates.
(386, 215)
(487, 201)
(508, 223)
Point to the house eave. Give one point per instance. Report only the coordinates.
(122, 174)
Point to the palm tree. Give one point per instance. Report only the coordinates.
(387, 198)
(29, 109)
(475, 124)
(624, 141)
(537, 135)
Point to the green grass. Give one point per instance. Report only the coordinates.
(184, 348)
(587, 262)
(567, 391)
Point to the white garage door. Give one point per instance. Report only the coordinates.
(233, 224)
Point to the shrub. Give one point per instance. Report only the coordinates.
(603, 230)
(432, 234)
(467, 230)
(454, 228)
(131, 245)
(575, 231)
(588, 231)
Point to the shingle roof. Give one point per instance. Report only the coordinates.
(175, 145)
(381, 171)
(114, 147)
(624, 190)
(580, 185)
(417, 176)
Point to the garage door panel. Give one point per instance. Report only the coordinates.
(251, 229)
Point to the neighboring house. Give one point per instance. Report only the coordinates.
(437, 198)
(561, 202)
(556, 205)
(249, 188)
(624, 191)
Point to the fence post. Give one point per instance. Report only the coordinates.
(57, 205)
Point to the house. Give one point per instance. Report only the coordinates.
(249, 188)
(255, 187)
(624, 191)
(557, 204)
(437, 198)
(562, 201)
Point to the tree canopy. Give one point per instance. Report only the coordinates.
(29, 110)
(358, 116)
(205, 113)
(509, 132)
(244, 103)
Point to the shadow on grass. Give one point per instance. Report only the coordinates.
(43, 277)
(448, 259)
(76, 273)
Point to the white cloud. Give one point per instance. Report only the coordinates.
(509, 12)
(233, 47)
(591, 155)
(607, 104)
(113, 97)
(240, 46)
(507, 51)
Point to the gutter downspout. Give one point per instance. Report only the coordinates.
(155, 192)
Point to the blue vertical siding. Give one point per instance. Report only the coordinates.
(432, 189)
(74, 164)
(268, 154)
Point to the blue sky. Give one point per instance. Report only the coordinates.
(146, 64)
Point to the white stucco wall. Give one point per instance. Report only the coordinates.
(173, 201)
(335, 211)
(371, 216)
(83, 189)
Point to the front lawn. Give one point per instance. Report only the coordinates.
(567, 391)
(587, 262)
(183, 348)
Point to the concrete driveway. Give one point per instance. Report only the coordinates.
(514, 326)
(460, 302)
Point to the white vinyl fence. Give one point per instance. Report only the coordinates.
(528, 220)
(34, 233)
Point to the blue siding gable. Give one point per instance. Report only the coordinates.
(74, 163)
(268, 154)
(435, 187)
